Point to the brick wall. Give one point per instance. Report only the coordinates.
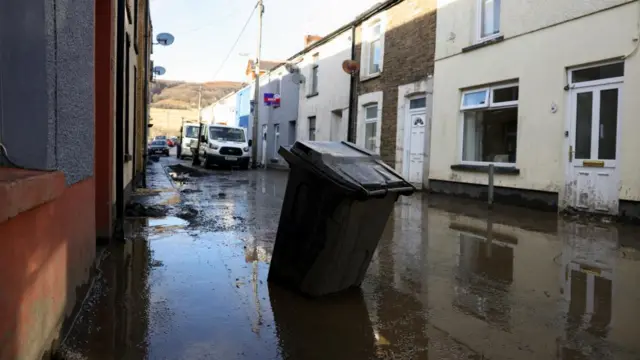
(409, 49)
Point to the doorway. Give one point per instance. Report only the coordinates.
(595, 103)
(264, 145)
(414, 140)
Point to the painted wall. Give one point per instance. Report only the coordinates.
(541, 79)
(46, 254)
(285, 116)
(331, 104)
(47, 117)
(243, 107)
(224, 111)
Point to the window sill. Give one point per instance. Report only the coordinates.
(364, 78)
(23, 190)
(312, 95)
(502, 170)
(484, 43)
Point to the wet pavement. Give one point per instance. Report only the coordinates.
(448, 281)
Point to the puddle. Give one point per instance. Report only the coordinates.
(167, 222)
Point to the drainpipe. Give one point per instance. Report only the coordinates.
(352, 90)
(146, 93)
(119, 160)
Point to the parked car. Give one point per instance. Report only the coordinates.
(159, 147)
(225, 145)
(170, 143)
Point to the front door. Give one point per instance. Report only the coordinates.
(415, 128)
(264, 145)
(593, 172)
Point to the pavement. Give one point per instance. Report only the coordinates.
(449, 280)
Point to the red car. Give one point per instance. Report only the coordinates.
(170, 143)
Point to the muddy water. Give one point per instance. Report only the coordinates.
(449, 281)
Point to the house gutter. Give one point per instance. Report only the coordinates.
(146, 93)
(119, 144)
(352, 89)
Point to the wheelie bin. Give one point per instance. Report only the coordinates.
(337, 202)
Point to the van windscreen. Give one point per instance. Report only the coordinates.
(226, 134)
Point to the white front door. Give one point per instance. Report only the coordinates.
(593, 148)
(416, 147)
(264, 145)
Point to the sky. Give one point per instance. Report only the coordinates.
(205, 31)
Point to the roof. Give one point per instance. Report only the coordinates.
(265, 65)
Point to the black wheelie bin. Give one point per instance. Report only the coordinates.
(337, 202)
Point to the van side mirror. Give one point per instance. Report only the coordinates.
(250, 142)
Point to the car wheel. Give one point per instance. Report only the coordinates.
(244, 166)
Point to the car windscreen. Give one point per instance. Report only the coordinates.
(159, 143)
(226, 134)
(191, 132)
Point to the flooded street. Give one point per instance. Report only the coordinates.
(448, 281)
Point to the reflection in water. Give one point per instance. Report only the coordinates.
(588, 259)
(334, 327)
(485, 265)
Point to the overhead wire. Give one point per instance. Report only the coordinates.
(236, 42)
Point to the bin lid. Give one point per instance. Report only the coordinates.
(351, 166)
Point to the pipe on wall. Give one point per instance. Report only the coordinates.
(352, 90)
(146, 92)
(119, 143)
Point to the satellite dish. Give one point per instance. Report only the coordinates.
(159, 70)
(165, 39)
(291, 68)
(297, 78)
(351, 67)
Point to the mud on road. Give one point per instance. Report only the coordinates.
(448, 281)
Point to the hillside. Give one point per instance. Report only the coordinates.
(184, 95)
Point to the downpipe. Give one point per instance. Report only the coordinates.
(119, 160)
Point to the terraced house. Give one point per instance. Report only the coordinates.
(394, 44)
(73, 100)
(547, 94)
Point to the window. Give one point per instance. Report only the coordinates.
(418, 103)
(292, 132)
(314, 76)
(312, 128)
(278, 84)
(276, 139)
(371, 127)
(373, 49)
(489, 18)
(490, 124)
(598, 73)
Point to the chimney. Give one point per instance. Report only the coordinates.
(310, 39)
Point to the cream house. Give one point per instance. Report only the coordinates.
(547, 93)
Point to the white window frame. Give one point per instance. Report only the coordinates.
(479, 106)
(502, 105)
(314, 81)
(315, 125)
(479, 15)
(276, 139)
(575, 85)
(365, 51)
(493, 104)
(375, 120)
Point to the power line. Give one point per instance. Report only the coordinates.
(235, 43)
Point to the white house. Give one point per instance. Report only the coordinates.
(547, 93)
(323, 109)
(224, 110)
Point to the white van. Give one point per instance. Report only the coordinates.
(188, 140)
(225, 145)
